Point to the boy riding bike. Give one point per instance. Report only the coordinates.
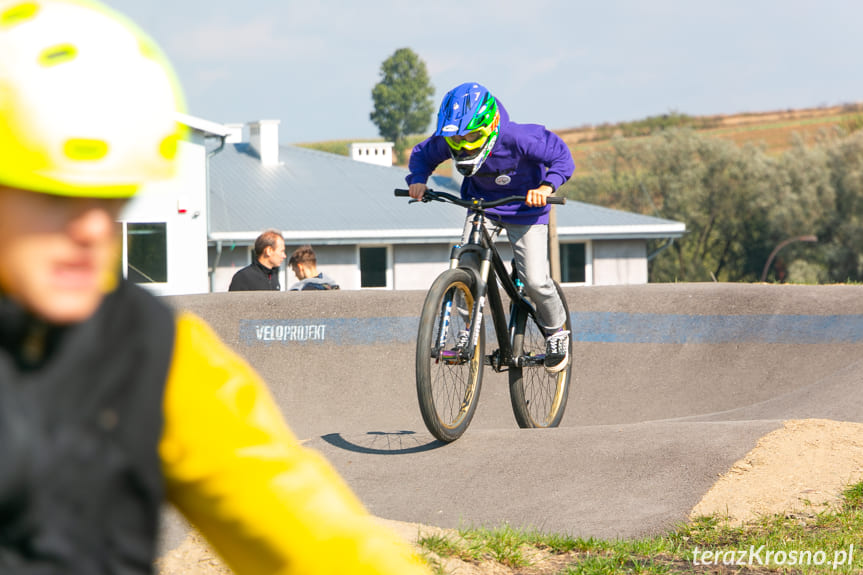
(502, 158)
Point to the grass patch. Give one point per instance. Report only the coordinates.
(339, 147)
(795, 543)
(343, 147)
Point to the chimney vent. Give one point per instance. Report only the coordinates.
(264, 138)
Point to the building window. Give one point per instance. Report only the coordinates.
(373, 267)
(572, 263)
(147, 253)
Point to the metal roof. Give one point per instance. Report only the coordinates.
(324, 198)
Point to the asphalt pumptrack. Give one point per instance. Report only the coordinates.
(672, 384)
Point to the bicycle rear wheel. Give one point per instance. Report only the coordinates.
(448, 376)
(538, 397)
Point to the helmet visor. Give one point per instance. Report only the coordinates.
(475, 139)
(470, 141)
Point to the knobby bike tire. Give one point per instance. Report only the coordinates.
(448, 389)
(538, 397)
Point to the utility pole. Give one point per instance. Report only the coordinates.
(553, 245)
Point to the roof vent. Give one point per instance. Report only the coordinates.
(264, 138)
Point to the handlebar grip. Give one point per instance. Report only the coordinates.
(555, 200)
(401, 193)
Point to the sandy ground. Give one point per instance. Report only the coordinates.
(803, 467)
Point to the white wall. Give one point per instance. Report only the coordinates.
(416, 267)
(619, 262)
(187, 232)
(412, 267)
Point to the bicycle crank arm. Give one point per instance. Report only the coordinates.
(529, 360)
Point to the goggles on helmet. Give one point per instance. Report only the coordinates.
(475, 139)
(470, 141)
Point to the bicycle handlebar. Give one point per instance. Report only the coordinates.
(475, 203)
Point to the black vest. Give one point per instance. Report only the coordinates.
(80, 422)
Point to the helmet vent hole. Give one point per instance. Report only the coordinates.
(168, 147)
(58, 55)
(85, 150)
(18, 14)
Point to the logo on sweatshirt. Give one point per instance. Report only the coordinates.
(502, 180)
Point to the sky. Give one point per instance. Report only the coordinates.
(562, 63)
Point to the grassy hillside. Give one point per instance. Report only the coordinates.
(772, 130)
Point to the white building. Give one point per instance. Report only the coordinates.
(192, 234)
(378, 153)
(165, 226)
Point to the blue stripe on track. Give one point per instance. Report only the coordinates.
(601, 327)
(616, 327)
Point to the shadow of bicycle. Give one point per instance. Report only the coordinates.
(385, 442)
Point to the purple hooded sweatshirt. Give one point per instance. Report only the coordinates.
(523, 156)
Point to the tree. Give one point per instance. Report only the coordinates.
(709, 183)
(738, 203)
(402, 99)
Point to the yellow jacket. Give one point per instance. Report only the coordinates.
(266, 504)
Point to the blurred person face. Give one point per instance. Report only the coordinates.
(273, 257)
(57, 254)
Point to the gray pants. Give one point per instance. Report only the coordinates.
(530, 250)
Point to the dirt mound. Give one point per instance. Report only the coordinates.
(804, 467)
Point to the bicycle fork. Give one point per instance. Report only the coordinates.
(457, 355)
(480, 290)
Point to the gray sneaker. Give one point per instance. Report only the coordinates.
(557, 351)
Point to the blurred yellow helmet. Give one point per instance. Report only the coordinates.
(87, 101)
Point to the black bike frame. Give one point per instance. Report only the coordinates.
(491, 265)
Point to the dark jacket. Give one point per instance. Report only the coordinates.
(80, 479)
(100, 420)
(255, 276)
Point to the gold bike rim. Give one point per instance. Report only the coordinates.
(475, 365)
(560, 388)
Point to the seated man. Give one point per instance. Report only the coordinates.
(263, 272)
(304, 264)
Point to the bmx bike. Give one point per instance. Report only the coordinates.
(450, 352)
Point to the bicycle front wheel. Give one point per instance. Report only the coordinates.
(538, 397)
(448, 372)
